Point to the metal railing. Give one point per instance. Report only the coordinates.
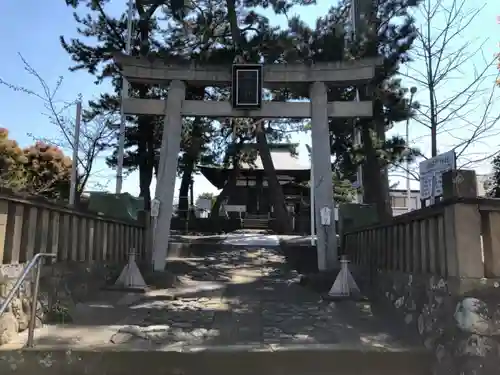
(34, 295)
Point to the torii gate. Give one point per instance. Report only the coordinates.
(248, 81)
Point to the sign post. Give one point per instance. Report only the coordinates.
(431, 175)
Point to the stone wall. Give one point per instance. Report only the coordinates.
(62, 286)
(458, 319)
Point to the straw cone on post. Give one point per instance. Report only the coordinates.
(344, 286)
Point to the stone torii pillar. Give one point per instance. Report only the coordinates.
(167, 171)
(323, 183)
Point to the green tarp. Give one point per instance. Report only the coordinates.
(119, 206)
(353, 215)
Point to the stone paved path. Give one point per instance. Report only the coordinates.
(235, 298)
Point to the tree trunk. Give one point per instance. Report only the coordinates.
(226, 192)
(432, 109)
(184, 188)
(375, 176)
(146, 160)
(146, 150)
(376, 191)
(146, 123)
(431, 80)
(191, 191)
(190, 158)
(385, 197)
(433, 120)
(233, 24)
(277, 196)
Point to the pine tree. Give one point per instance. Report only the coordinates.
(494, 188)
(209, 34)
(389, 32)
(391, 39)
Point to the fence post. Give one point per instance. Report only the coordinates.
(463, 240)
(491, 243)
(4, 214)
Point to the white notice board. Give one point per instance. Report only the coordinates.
(204, 203)
(433, 169)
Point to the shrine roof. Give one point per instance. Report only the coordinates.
(284, 161)
(282, 156)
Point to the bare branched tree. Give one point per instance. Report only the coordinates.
(96, 133)
(455, 80)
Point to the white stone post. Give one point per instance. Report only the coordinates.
(322, 170)
(167, 171)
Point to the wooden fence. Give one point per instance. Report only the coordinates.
(29, 227)
(459, 237)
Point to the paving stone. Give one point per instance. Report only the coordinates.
(121, 338)
(258, 304)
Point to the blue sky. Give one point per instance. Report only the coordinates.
(33, 27)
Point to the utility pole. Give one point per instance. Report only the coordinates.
(355, 20)
(413, 90)
(311, 203)
(76, 142)
(124, 95)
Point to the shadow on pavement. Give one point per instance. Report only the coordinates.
(229, 297)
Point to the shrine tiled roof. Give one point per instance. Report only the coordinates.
(282, 155)
(282, 160)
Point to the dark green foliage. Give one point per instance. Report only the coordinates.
(494, 186)
(203, 40)
(205, 33)
(390, 36)
(343, 192)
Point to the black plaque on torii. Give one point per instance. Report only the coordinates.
(247, 86)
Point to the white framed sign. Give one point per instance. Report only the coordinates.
(325, 214)
(155, 207)
(204, 203)
(431, 174)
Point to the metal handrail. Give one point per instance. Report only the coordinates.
(34, 295)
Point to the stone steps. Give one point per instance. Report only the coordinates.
(255, 223)
(180, 247)
(221, 361)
